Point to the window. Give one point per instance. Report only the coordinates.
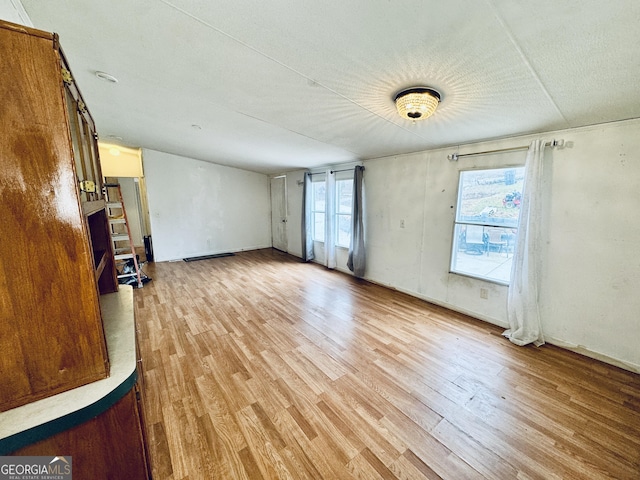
(344, 199)
(318, 209)
(339, 209)
(486, 224)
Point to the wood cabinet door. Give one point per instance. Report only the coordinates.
(51, 335)
(110, 446)
(83, 139)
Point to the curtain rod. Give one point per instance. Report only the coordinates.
(455, 156)
(346, 169)
(335, 171)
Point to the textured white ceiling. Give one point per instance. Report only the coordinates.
(281, 85)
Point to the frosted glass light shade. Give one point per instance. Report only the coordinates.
(417, 103)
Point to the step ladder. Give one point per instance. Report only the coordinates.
(120, 232)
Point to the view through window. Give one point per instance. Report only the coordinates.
(318, 209)
(486, 225)
(344, 199)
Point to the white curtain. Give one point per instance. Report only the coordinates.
(522, 299)
(307, 233)
(330, 221)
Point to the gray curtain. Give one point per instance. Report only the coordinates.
(357, 258)
(307, 237)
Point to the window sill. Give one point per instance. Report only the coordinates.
(483, 279)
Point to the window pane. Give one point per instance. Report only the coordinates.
(318, 227)
(319, 189)
(344, 230)
(484, 252)
(344, 196)
(487, 218)
(490, 197)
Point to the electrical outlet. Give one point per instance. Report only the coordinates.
(402, 223)
(484, 293)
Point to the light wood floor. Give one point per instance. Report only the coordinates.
(259, 366)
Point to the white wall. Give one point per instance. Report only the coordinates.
(589, 298)
(13, 11)
(199, 208)
(592, 231)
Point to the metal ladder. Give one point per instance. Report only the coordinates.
(121, 233)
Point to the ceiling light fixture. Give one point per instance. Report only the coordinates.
(417, 103)
(106, 77)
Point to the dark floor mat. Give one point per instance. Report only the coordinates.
(207, 257)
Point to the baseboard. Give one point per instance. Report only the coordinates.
(632, 367)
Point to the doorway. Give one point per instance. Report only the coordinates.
(279, 213)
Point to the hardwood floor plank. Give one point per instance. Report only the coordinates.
(260, 366)
(222, 419)
(302, 422)
(300, 463)
(274, 436)
(424, 469)
(158, 444)
(322, 361)
(210, 441)
(250, 466)
(360, 468)
(178, 438)
(348, 435)
(377, 465)
(475, 454)
(432, 452)
(306, 371)
(321, 462)
(266, 456)
(520, 451)
(368, 429)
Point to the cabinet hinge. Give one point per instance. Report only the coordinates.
(82, 107)
(66, 76)
(87, 186)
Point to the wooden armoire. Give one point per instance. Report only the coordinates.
(57, 266)
(53, 235)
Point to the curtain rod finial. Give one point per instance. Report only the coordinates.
(453, 157)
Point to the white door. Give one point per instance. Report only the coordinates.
(279, 213)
